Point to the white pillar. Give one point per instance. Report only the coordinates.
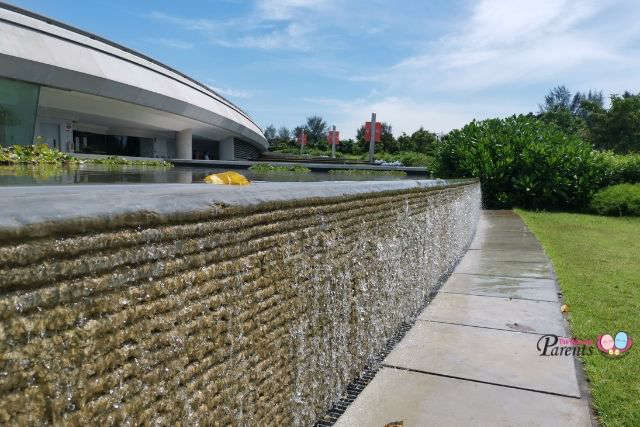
(226, 149)
(183, 145)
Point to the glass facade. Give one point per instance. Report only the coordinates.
(18, 109)
(93, 143)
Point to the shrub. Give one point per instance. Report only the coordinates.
(42, 154)
(621, 199)
(116, 162)
(521, 161)
(34, 154)
(366, 172)
(407, 158)
(618, 168)
(277, 169)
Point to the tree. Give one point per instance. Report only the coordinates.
(387, 141)
(565, 120)
(316, 131)
(270, 134)
(423, 141)
(284, 135)
(566, 111)
(558, 98)
(405, 143)
(577, 103)
(618, 128)
(298, 131)
(348, 146)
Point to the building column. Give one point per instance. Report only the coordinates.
(183, 145)
(226, 149)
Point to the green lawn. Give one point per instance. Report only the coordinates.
(597, 262)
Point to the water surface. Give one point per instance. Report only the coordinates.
(99, 174)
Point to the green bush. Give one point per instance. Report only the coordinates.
(366, 172)
(618, 168)
(34, 154)
(521, 161)
(407, 158)
(266, 168)
(116, 162)
(42, 154)
(621, 199)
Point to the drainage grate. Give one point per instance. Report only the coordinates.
(356, 386)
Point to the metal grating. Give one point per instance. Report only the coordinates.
(356, 386)
(243, 150)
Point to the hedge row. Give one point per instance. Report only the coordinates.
(525, 162)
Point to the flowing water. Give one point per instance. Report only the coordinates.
(254, 316)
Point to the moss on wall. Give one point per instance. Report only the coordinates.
(238, 315)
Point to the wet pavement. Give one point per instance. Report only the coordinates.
(472, 357)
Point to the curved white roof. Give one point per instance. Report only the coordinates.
(38, 49)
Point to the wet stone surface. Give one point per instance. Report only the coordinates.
(472, 357)
(192, 304)
(494, 312)
(429, 400)
(506, 287)
(495, 356)
(543, 270)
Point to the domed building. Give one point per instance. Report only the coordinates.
(81, 93)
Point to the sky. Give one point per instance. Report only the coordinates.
(437, 64)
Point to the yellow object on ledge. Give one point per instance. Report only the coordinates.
(226, 178)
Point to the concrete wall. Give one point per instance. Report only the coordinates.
(249, 308)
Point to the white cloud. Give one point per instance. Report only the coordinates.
(290, 37)
(186, 23)
(172, 43)
(506, 42)
(289, 9)
(232, 93)
(405, 114)
(273, 24)
(480, 65)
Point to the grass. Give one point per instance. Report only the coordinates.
(267, 168)
(597, 262)
(365, 172)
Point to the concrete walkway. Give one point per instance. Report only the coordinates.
(471, 357)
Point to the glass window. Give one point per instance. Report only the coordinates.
(18, 109)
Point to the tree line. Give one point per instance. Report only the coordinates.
(316, 128)
(616, 128)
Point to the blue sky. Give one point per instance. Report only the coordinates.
(436, 64)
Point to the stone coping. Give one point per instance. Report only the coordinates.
(74, 207)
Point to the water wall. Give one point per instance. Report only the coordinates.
(192, 304)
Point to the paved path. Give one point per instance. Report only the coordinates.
(471, 357)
